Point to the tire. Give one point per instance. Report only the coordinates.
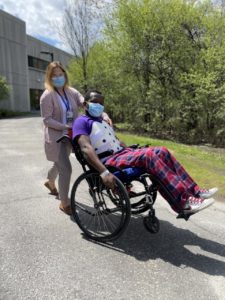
(100, 218)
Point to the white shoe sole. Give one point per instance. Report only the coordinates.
(215, 190)
(204, 205)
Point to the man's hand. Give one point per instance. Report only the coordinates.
(109, 181)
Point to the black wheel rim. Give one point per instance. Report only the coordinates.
(97, 215)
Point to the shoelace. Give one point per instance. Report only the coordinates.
(204, 191)
(194, 200)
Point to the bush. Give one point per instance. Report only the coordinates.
(4, 88)
(4, 113)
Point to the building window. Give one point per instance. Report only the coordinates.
(37, 63)
(35, 95)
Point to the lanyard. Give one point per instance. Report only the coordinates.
(66, 102)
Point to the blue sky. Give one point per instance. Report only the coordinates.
(40, 17)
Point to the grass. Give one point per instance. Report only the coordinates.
(205, 165)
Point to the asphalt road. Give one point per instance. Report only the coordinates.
(45, 256)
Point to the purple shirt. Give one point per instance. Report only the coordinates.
(83, 125)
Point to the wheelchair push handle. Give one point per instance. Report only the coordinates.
(64, 137)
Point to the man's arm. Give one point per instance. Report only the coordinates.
(89, 153)
(92, 158)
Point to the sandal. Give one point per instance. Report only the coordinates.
(66, 209)
(53, 191)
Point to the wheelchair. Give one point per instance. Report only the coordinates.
(103, 214)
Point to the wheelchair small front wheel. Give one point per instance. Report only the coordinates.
(99, 217)
(138, 197)
(151, 223)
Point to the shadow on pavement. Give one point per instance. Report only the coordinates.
(171, 245)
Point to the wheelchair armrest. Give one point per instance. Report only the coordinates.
(134, 146)
(105, 154)
(137, 146)
(64, 137)
(181, 215)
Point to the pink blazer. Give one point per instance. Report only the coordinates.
(52, 115)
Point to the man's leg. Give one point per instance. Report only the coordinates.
(164, 154)
(151, 161)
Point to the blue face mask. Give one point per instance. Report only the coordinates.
(58, 81)
(95, 109)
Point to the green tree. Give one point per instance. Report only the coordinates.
(166, 49)
(80, 30)
(154, 49)
(160, 66)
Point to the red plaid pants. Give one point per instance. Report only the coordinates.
(159, 162)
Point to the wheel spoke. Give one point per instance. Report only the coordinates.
(100, 216)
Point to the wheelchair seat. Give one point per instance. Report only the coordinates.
(128, 174)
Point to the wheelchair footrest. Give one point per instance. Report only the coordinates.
(184, 216)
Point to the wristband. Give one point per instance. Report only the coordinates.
(104, 173)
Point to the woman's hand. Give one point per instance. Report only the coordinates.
(107, 119)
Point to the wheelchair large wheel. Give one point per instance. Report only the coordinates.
(99, 217)
(140, 199)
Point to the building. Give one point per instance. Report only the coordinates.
(23, 61)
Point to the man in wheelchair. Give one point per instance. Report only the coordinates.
(94, 136)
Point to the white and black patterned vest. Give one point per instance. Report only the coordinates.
(103, 138)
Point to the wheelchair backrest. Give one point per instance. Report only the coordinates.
(82, 160)
(79, 155)
(125, 175)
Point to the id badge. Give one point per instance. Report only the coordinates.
(69, 117)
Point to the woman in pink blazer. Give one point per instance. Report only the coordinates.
(59, 107)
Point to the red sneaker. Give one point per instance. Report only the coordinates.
(194, 204)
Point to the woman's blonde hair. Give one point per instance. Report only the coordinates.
(48, 75)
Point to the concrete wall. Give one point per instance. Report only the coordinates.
(13, 61)
(34, 48)
(15, 47)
